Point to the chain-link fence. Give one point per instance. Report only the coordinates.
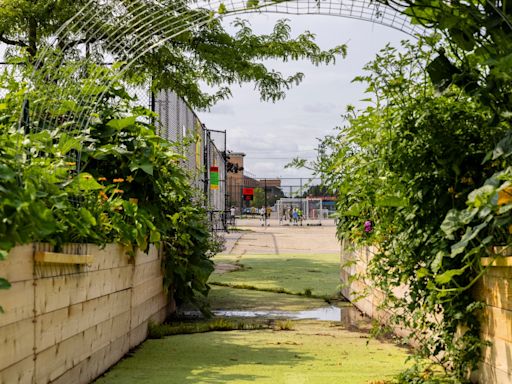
(248, 194)
(204, 150)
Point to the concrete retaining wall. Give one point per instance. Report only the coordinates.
(68, 323)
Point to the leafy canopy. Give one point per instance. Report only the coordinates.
(195, 56)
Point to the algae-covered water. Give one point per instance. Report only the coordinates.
(322, 341)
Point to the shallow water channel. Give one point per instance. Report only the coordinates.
(347, 314)
(330, 313)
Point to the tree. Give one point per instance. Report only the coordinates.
(317, 191)
(273, 194)
(203, 57)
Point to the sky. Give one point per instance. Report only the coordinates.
(271, 135)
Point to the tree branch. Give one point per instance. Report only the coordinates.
(8, 41)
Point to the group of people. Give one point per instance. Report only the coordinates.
(290, 214)
(293, 215)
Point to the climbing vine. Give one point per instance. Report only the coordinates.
(410, 163)
(115, 180)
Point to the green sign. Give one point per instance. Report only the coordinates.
(214, 178)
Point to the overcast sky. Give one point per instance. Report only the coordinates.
(270, 134)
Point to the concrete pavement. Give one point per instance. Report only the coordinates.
(281, 239)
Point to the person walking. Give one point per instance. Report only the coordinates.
(295, 216)
(232, 213)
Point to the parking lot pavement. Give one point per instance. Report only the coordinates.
(253, 238)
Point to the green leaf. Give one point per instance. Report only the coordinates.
(222, 9)
(483, 195)
(145, 166)
(120, 124)
(455, 219)
(422, 272)
(3, 254)
(471, 233)
(154, 236)
(448, 276)
(68, 143)
(84, 182)
(6, 173)
(252, 3)
(87, 216)
(438, 261)
(4, 284)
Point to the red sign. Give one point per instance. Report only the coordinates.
(248, 193)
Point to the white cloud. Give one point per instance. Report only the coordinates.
(222, 109)
(273, 134)
(319, 108)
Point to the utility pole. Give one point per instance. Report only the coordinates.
(206, 185)
(265, 200)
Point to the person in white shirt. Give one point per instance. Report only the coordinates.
(232, 212)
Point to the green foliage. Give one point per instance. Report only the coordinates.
(272, 195)
(196, 57)
(131, 188)
(284, 325)
(409, 162)
(477, 56)
(159, 331)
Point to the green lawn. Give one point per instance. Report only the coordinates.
(313, 353)
(293, 273)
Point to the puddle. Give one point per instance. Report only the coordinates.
(330, 313)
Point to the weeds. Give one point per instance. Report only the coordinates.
(158, 331)
(284, 325)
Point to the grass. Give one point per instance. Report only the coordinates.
(306, 275)
(307, 292)
(284, 325)
(313, 353)
(221, 297)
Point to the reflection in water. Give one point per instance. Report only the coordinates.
(346, 314)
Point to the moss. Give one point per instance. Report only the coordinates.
(313, 353)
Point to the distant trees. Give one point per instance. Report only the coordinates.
(273, 194)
